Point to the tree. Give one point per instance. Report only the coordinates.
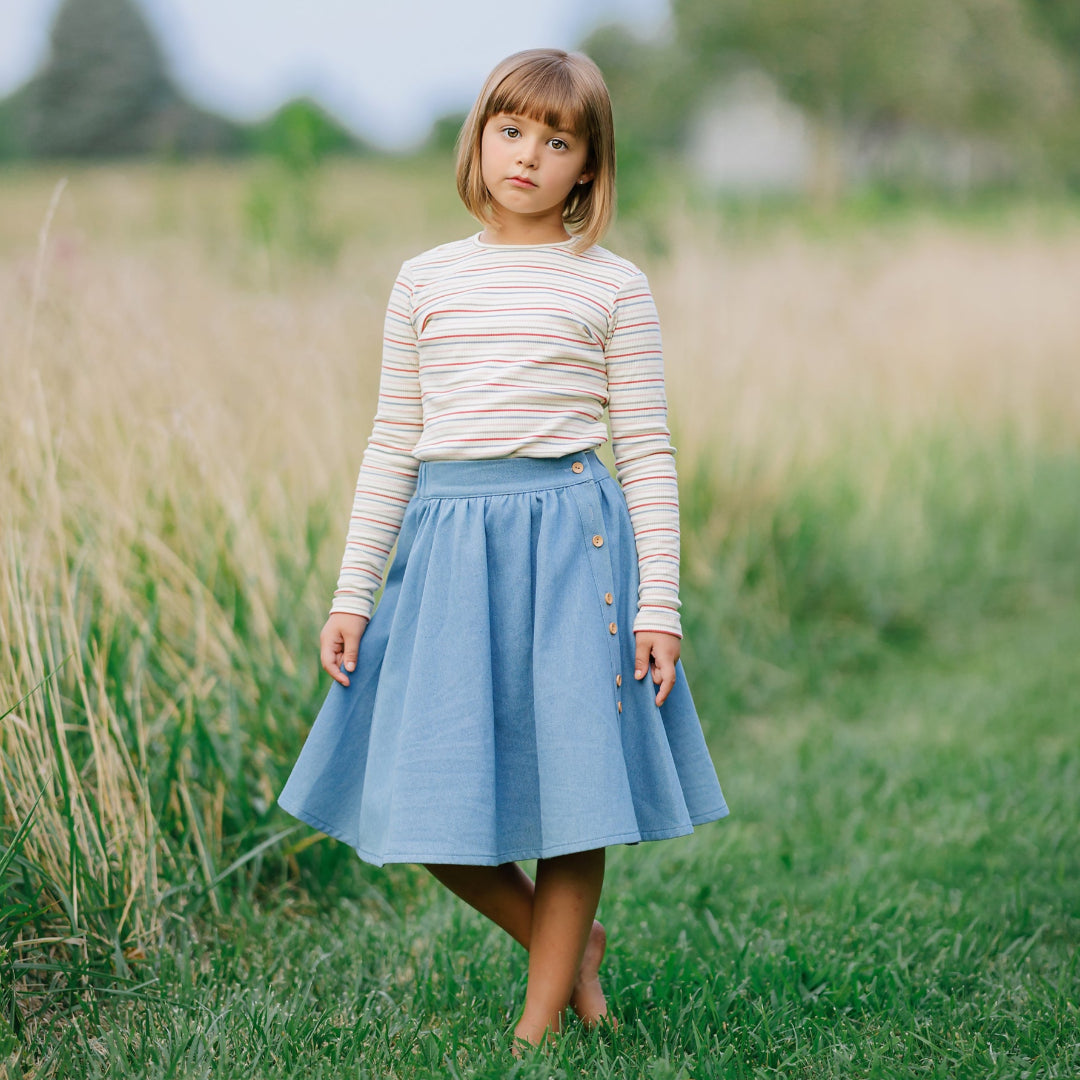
(653, 100)
(104, 85)
(301, 134)
(971, 66)
(1058, 21)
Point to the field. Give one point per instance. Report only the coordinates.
(877, 428)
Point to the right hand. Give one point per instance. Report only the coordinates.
(339, 643)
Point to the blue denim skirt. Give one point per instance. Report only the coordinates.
(494, 714)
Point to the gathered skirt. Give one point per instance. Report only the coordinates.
(493, 714)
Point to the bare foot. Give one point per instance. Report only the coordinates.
(525, 1040)
(520, 1047)
(587, 999)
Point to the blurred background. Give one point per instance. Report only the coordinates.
(814, 97)
(861, 222)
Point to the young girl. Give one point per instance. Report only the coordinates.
(495, 708)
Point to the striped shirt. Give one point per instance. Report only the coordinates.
(495, 350)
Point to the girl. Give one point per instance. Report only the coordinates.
(495, 708)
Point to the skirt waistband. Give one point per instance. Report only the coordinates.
(506, 476)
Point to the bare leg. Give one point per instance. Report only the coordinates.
(505, 894)
(564, 903)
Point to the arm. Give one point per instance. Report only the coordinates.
(645, 465)
(386, 482)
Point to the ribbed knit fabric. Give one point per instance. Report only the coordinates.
(493, 351)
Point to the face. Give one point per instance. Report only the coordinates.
(530, 169)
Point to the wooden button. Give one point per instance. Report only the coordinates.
(619, 705)
(613, 627)
(597, 541)
(577, 467)
(618, 680)
(608, 598)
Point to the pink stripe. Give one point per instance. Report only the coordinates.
(495, 301)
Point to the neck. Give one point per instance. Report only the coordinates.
(547, 229)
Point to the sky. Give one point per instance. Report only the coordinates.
(386, 68)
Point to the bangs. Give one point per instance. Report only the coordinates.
(566, 92)
(546, 93)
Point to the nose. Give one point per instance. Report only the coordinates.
(526, 154)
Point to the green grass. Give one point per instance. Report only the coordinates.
(881, 637)
(891, 695)
(896, 894)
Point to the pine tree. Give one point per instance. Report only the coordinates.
(105, 86)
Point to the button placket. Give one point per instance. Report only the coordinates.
(588, 499)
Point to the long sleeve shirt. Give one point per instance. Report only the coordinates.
(493, 351)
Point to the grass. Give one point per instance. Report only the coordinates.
(878, 478)
(896, 894)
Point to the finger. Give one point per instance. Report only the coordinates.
(667, 684)
(330, 651)
(330, 657)
(351, 649)
(641, 658)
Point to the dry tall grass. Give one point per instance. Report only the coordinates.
(182, 413)
(790, 349)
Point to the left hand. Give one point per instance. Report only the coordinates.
(664, 650)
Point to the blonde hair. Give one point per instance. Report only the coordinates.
(562, 90)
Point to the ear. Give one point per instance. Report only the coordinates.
(585, 177)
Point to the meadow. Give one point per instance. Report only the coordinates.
(877, 420)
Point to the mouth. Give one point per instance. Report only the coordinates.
(521, 181)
